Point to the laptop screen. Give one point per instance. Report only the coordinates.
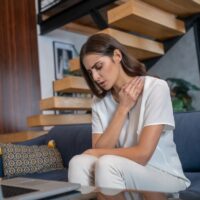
(11, 191)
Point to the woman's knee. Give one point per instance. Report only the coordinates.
(82, 160)
(116, 163)
(80, 168)
(115, 169)
(106, 171)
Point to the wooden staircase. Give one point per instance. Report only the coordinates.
(69, 84)
(65, 103)
(141, 48)
(142, 18)
(177, 7)
(142, 26)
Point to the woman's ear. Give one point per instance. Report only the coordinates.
(117, 56)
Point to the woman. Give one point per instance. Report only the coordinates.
(132, 124)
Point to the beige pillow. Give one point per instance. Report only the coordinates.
(22, 160)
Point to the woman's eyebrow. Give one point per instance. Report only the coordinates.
(95, 64)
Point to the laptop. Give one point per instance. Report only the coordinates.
(31, 189)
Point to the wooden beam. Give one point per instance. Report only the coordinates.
(177, 7)
(65, 103)
(140, 17)
(20, 136)
(71, 84)
(140, 48)
(79, 28)
(52, 120)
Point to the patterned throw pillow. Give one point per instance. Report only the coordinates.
(22, 160)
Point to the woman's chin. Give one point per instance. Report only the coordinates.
(106, 88)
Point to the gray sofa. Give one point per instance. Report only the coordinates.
(74, 139)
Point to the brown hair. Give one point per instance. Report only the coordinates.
(105, 45)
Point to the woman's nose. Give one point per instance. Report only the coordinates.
(95, 76)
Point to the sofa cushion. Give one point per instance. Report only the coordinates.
(195, 181)
(35, 141)
(193, 192)
(187, 139)
(21, 159)
(56, 175)
(71, 140)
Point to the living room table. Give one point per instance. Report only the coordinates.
(94, 193)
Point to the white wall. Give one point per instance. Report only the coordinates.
(181, 62)
(46, 56)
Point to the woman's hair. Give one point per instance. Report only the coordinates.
(104, 44)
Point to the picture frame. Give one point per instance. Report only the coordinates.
(63, 52)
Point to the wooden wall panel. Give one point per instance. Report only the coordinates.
(19, 68)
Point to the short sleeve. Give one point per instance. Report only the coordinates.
(96, 121)
(158, 107)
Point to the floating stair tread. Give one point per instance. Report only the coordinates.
(178, 7)
(141, 48)
(51, 120)
(79, 28)
(65, 103)
(140, 17)
(20, 136)
(71, 84)
(74, 65)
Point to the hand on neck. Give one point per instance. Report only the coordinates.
(120, 83)
(118, 86)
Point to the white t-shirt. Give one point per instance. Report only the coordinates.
(153, 107)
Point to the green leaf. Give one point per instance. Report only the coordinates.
(182, 83)
(178, 105)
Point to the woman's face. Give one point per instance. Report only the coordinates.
(103, 69)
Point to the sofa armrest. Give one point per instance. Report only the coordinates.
(187, 139)
(71, 140)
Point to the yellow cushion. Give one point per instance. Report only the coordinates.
(51, 144)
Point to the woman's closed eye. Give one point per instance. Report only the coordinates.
(99, 66)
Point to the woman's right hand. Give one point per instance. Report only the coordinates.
(130, 93)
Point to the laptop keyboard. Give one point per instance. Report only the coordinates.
(11, 191)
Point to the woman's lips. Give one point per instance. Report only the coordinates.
(102, 84)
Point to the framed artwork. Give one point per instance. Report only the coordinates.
(63, 52)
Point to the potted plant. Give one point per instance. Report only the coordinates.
(179, 88)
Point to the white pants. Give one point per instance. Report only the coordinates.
(118, 172)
